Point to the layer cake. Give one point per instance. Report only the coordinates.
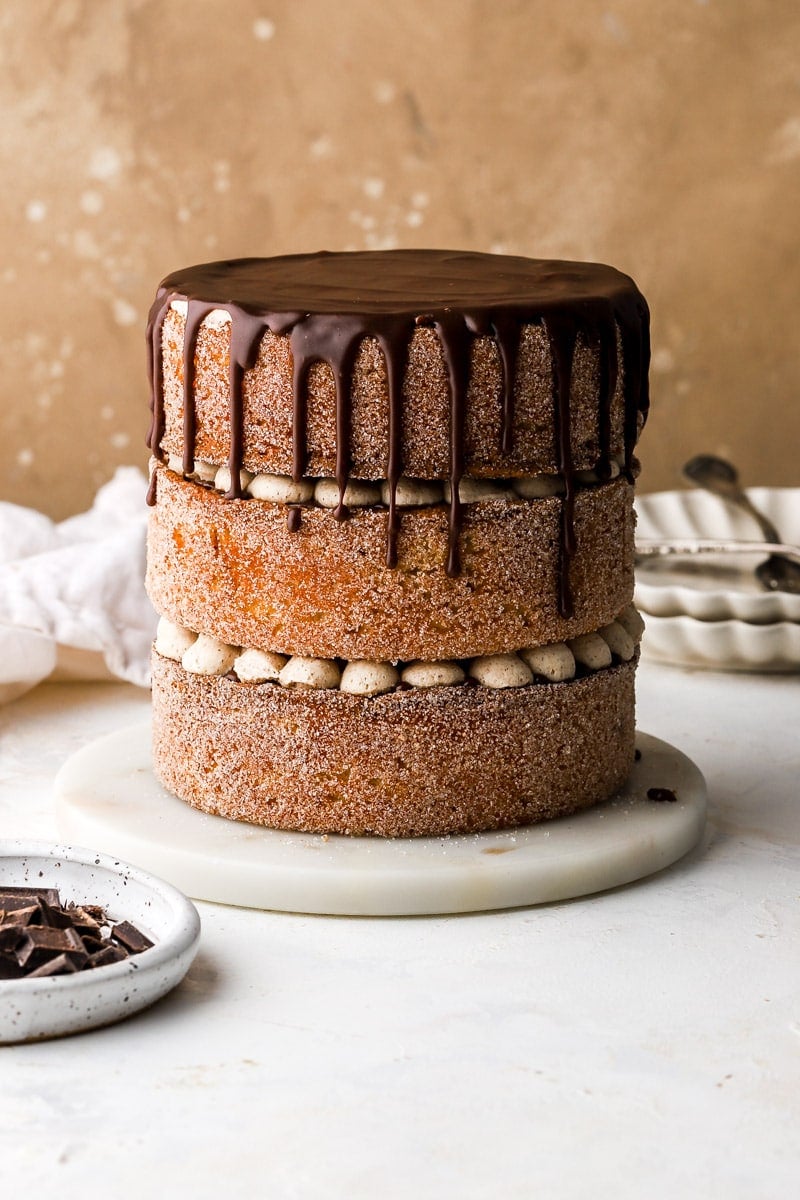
(391, 538)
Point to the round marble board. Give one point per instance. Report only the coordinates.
(108, 797)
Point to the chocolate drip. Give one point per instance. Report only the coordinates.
(155, 371)
(506, 332)
(299, 448)
(607, 385)
(394, 345)
(449, 326)
(562, 334)
(328, 303)
(247, 330)
(635, 365)
(318, 339)
(196, 311)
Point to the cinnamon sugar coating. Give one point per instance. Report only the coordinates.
(232, 569)
(416, 762)
(267, 392)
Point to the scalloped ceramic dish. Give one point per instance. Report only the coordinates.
(714, 588)
(33, 1009)
(723, 645)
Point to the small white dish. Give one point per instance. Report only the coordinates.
(714, 588)
(33, 1009)
(724, 645)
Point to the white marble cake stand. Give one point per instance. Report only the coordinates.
(109, 798)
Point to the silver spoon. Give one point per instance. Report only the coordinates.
(776, 573)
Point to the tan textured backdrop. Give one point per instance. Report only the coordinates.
(141, 135)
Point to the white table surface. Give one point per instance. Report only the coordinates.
(643, 1043)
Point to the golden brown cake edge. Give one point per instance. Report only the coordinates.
(233, 570)
(416, 762)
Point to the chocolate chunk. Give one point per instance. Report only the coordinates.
(130, 937)
(109, 954)
(75, 940)
(96, 912)
(85, 923)
(31, 893)
(23, 897)
(93, 945)
(11, 936)
(40, 937)
(637, 755)
(661, 794)
(9, 967)
(47, 939)
(20, 912)
(54, 915)
(89, 913)
(40, 944)
(61, 965)
(32, 915)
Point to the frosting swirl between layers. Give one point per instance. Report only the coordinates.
(201, 654)
(328, 304)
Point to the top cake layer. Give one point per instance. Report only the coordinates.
(590, 353)
(373, 365)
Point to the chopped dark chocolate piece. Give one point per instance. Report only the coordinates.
(22, 897)
(109, 954)
(31, 915)
(10, 937)
(41, 937)
(96, 912)
(85, 923)
(9, 967)
(61, 965)
(54, 916)
(40, 944)
(131, 938)
(93, 945)
(47, 939)
(74, 938)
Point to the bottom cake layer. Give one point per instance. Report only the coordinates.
(414, 762)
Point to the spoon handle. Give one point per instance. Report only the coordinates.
(765, 525)
(689, 547)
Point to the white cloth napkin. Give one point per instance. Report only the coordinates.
(72, 598)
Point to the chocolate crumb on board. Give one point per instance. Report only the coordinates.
(40, 937)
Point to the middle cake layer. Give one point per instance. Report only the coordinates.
(232, 569)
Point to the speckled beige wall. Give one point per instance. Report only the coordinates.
(141, 135)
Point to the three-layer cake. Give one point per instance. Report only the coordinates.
(392, 538)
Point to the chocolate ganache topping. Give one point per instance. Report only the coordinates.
(327, 303)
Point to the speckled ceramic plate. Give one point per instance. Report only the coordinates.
(32, 1009)
(714, 588)
(722, 645)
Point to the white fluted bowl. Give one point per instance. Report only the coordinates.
(714, 589)
(722, 645)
